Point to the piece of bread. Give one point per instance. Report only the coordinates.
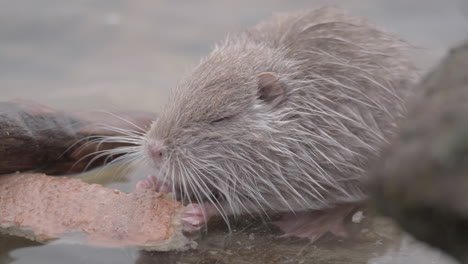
(45, 208)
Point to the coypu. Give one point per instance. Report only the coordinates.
(282, 118)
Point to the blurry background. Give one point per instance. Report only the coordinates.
(115, 54)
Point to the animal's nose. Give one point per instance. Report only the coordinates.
(156, 149)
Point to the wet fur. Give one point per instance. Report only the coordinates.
(346, 83)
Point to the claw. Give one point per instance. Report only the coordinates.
(153, 183)
(196, 216)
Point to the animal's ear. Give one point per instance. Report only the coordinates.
(270, 88)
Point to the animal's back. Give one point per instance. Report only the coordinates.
(326, 36)
(349, 83)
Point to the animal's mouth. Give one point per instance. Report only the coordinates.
(187, 193)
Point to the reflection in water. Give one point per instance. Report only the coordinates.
(371, 241)
(411, 251)
(60, 254)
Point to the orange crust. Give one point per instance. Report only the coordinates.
(44, 208)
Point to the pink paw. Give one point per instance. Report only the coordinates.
(196, 216)
(315, 224)
(153, 183)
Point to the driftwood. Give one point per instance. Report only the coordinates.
(422, 179)
(45, 208)
(36, 137)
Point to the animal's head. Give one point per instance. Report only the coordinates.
(214, 139)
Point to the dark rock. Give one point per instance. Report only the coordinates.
(421, 180)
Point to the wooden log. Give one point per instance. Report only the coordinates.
(36, 137)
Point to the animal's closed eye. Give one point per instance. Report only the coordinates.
(219, 120)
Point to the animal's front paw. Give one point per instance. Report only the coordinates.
(153, 183)
(196, 216)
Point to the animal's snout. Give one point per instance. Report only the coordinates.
(156, 149)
